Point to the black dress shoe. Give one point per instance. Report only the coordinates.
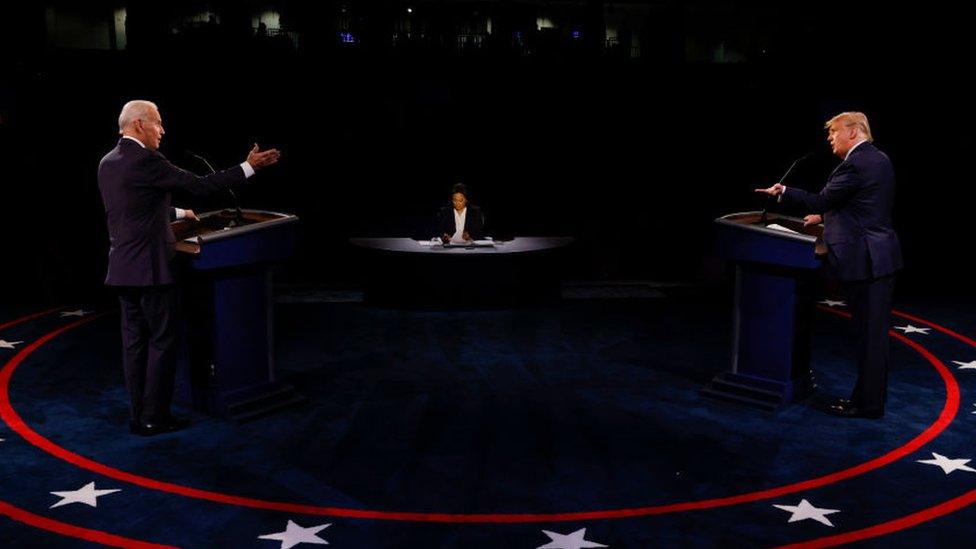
(152, 428)
(850, 410)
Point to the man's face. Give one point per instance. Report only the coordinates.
(841, 137)
(459, 201)
(151, 129)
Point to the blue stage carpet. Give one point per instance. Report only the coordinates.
(460, 428)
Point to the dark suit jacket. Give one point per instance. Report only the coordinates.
(135, 184)
(856, 204)
(474, 221)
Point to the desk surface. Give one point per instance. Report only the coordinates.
(519, 244)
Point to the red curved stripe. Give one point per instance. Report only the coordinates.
(889, 527)
(8, 414)
(907, 521)
(23, 319)
(70, 530)
(942, 329)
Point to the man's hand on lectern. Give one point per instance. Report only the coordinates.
(260, 159)
(812, 219)
(775, 190)
(189, 214)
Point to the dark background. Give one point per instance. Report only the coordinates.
(633, 145)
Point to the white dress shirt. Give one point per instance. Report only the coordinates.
(459, 218)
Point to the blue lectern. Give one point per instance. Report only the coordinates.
(229, 304)
(775, 258)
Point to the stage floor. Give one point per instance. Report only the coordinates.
(495, 428)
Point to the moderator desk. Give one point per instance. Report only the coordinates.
(411, 272)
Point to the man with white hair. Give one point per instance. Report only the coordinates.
(863, 251)
(135, 182)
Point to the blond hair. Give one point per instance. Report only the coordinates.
(853, 118)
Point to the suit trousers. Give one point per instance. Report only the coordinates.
(870, 306)
(150, 348)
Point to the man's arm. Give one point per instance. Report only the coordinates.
(162, 173)
(844, 183)
(839, 189)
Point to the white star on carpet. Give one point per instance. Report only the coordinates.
(913, 330)
(295, 534)
(78, 313)
(948, 465)
(832, 303)
(87, 495)
(576, 540)
(805, 511)
(4, 344)
(974, 410)
(962, 365)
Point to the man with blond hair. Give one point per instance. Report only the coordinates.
(135, 182)
(863, 251)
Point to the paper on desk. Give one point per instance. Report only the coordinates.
(781, 228)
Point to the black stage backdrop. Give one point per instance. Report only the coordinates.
(633, 156)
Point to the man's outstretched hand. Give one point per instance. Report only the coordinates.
(812, 219)
(775, 190)
(261, 159)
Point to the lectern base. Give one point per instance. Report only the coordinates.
(254, 402)
(756, 392)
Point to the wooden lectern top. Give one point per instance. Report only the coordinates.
(776, 223)
(190, 235)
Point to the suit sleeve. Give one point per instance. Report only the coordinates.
(475, 224)
(162, 174)
(839, 190)
(445, 224)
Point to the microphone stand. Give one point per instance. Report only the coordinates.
(762, 216)
(239, 217)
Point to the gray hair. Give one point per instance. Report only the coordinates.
(853, 118)
(134, 110)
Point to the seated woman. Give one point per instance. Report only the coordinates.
(461, 222)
